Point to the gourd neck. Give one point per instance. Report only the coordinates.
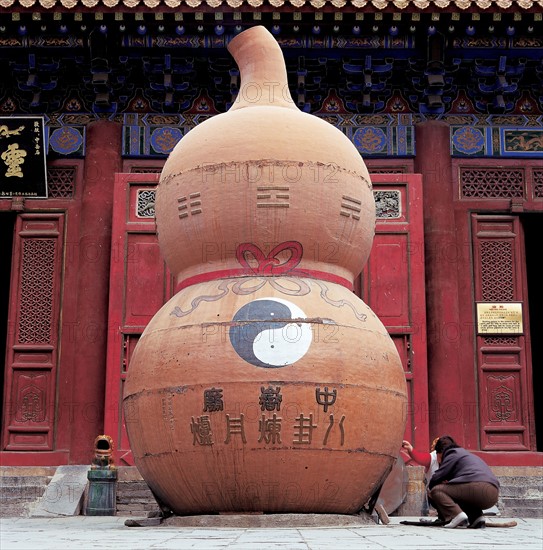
(263, 73)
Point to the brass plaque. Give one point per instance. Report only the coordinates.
(499, 318)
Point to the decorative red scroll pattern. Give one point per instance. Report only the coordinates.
(254, 263)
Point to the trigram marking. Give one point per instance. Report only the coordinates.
(272, 196)
(350, 208)
(189, 205)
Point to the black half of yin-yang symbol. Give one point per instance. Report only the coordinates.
(270, 333)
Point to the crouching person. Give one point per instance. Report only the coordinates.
(462, 487)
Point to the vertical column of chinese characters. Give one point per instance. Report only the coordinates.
(270, 427)
(37, 138)
(326, 399)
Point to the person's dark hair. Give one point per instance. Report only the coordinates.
(445, 442)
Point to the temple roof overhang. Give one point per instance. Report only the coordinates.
(384, 5)
(127, 58)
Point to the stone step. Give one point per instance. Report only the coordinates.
(21, 487)
(524, 512)
(26, 492)
(521, 502)
(22, 481)
(134, 498)
(521, 491)
(14, 509)
(521, 480)
(520, 496)
(17, 501)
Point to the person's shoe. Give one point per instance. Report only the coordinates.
(461, 520)
(478, 523)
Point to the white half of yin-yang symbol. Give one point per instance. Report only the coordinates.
(270, 333)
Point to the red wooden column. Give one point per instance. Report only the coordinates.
(433, 161)
(102, 162)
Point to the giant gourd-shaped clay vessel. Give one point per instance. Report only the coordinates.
(265, 384)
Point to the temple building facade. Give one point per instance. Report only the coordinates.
(442, 99)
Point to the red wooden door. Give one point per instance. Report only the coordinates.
(32, 347)
(139, 285)
(392, 284)
(503, 358)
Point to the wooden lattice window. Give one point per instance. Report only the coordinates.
(497, 281)
(500, 341)
(492, 183)
(538, 184)
(397, 170)
(61, 181)
(145, 170)
(36, 298)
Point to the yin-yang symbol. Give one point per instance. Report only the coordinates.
(270, 333)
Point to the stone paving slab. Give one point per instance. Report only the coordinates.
(110, 533)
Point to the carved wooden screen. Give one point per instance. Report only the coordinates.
(502, 362)
(33, 333)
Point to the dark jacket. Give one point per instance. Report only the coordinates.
(461, 466)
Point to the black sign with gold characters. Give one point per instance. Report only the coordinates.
(23, 170)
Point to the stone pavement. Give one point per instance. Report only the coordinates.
(110, 533)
